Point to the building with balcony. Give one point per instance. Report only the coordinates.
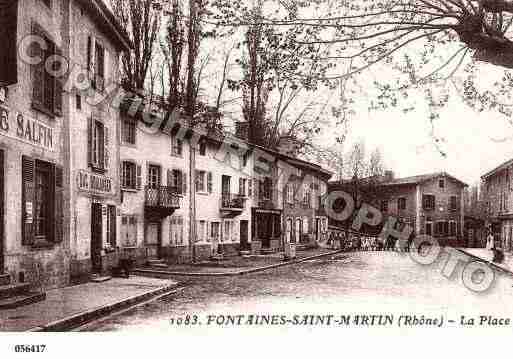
(496, 189)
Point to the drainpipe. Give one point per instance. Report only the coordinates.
(192, 198)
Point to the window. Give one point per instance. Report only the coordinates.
(98, 150)
(442, 228)
(266, 188)
(203, 148)
(176, 146)
(129, 231)
(47, 88)
(429, 228)
(153, 176)
(214, 230)
(78, 101)
(306, 225)
(42, 202)
(441, 183)
(428, 202)
(384, 206)
(401, 203)
(201, 181)
(176, 230)
(98, 82)
(129, 175)
(177, 181)
(453, 203)
(128, 130)
(228, 231)
(242, 186)
(452, 228)
(48, 3)
(307, 195)
(245, 158)
(290, 193)
(42, 216)
(201, 234)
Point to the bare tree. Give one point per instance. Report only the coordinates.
(376, 167)
(141, 18)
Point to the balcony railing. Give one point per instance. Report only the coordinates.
(162, 197)
(232, 201)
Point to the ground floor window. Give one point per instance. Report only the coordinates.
(452, 228)
(201, 231)
(129, 231)
(176, 230)
(442, 228)
(214, 230)
(429, 228)
(42, 200)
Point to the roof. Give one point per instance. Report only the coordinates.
(412, 180)
(497, 169)
(108, 21)
(421, 178)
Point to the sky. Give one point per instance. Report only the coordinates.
(474, 143)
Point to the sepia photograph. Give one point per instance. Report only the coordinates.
(269, 173)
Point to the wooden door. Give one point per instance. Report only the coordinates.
(153, 241)
(96, 237)
(244, 243)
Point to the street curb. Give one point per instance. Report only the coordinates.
(84, 317)
(160, 274)
(490, 264)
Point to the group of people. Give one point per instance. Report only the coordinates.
(339, 240)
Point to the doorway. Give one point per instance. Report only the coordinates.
(244, 226)
(96, 237)
(153, 240)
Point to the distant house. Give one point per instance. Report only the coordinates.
(496, 190)
(431, 203)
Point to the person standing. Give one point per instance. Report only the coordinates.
(490, 244)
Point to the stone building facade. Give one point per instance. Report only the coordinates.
(431, 204)
(496, 189)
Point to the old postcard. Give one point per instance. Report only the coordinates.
(260, 172)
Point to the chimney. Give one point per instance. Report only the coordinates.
(389, 175)
(288, 146)
(242, 130)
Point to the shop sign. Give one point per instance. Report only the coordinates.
(94, 183)
(23, 128)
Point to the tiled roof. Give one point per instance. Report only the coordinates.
(420, 178)
(498, 168)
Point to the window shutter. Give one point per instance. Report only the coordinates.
(37, 69)
(49, 81)
(170, 178)
(57, 90)
(59, 203)
(90, 141)
(139, 177)
(184, 183)
(8, 34)
(196, 179)
(106, 158)
(179, 179)
(28, 181)
(256, 184)
(250, 187)
(89, 53)
(209, 182)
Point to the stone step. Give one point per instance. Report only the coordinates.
(11, 290)
(22, 299)
(5, 279)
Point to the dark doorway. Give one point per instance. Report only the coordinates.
(96, 237)
(244, 244)
(153, 240)
(2, 240)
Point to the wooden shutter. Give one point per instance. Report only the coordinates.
(179, 179)
(38, 72)
(250, 187)
(184, 183)
(59, 203)
(196, 179)
(138, 172)
(8, 37)
(106, 158)
(89, 53)
(90, 141)
(209, 182)
(170, 178)
(49, 80)
(57, 89)
(28, 196)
